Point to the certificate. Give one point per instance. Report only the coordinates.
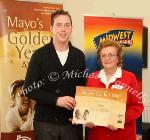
(100, 106)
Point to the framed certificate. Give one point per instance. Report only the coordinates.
(101, 106)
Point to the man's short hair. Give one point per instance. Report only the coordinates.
(58, 13)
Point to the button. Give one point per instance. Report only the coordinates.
(58, 91)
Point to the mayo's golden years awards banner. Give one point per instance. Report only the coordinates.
(24, 27)
(100, 106)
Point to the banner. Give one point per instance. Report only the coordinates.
(127, 31)
(24, 27)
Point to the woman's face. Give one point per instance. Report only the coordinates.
(21, 100)
(109, 57)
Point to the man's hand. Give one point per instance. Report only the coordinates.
(66, 102)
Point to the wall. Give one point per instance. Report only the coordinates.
(118, 8)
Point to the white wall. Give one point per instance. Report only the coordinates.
(127, 8)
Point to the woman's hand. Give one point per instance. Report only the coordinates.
(112, 127)
(89, 125)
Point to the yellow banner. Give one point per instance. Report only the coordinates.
(24, 27)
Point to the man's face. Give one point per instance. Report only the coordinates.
(61, 28)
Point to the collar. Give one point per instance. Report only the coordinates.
(51, 43)
(102, 76)
(118, 73)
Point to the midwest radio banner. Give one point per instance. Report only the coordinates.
(127, 31)
(24, 27)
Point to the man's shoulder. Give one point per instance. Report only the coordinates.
(77, 50)
(43, 49)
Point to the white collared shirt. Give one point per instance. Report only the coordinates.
(62, 55)
(102, 76)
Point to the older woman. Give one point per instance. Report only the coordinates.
(112, 76)
(20, 115)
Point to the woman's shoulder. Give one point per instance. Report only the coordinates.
(12, 109)
(12, 113)
(94, 74)
(128, 74)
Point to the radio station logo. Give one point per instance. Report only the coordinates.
(123, 37)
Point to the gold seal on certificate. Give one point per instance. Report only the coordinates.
(101, 106)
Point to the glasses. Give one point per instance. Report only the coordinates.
(110, 56)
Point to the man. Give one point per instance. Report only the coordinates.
(54, 72)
